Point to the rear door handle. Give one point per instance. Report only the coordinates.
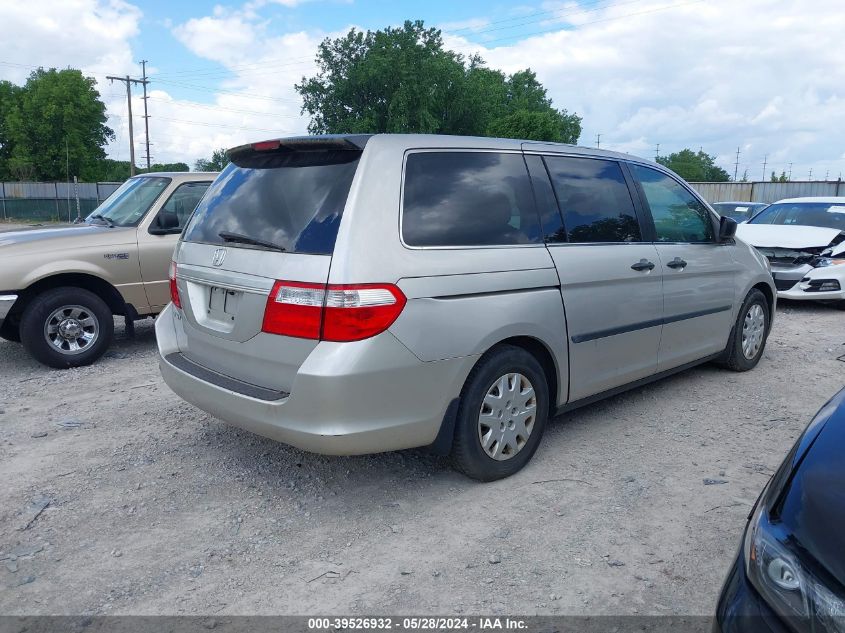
(643, 264)
(677, 263)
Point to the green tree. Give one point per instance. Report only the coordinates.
(694, 166)
(404, 80)
(219, 159)
(782, 178)
(9, 94)
(111, 170)
(55, 122)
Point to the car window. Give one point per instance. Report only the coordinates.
(294, 199)
(738, 212)
(678, 215)
(131, 201)
(468, 199)
(181, 204)
(594, 200)
(830, 215)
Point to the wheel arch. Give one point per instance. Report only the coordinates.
(99, 286)
(442, 444)
(544, 356)
(766, 289)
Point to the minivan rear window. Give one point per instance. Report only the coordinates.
(468, 199)
(293, 200)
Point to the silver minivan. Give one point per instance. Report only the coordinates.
(357, 294)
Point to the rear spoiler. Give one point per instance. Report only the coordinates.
(246, 155)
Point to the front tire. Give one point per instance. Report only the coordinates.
(748, 338)
(67, 327)
(503, 411)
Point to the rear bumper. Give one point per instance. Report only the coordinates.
(7, 300)
(346, 399)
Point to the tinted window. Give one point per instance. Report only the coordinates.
(678, 215)
(545, 200)
(179, 207)
(594, 199)
(823, 214)
(468, 199)
(294, 200)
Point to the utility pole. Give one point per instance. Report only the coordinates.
(598, 141)
(657, 152)
(144, 82)
(765, 159)
(128, 81)
(736, 164)
(826, 174)
(810, 177)
(789, 175)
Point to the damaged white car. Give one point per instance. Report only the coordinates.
(804, 240)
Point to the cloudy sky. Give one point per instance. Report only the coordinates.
(764, 76)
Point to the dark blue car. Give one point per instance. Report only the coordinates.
(790, 572)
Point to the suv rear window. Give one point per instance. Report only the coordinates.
(292, 199)
(468, 199)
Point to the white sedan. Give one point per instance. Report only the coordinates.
(804, 240)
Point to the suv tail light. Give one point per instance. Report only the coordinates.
(174, 290)
(331, 312)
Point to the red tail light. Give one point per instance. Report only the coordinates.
(333, 312)
(174, 290)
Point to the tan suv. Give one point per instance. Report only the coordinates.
(61, 285)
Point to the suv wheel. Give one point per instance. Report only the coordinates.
(67, 327)
(502, 414)
(748, 339)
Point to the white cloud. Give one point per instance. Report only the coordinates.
(717, 74)
(764, 76)
(90, 34)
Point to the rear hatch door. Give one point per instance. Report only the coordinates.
(272, 214)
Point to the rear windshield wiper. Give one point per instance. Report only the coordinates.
(246, 239)
(103, 219)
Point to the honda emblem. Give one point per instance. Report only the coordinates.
(218, 257)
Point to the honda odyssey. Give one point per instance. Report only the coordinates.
(357, 294)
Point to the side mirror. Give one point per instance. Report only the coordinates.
(727, 228)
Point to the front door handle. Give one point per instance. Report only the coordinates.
(643, 264)
(677, 263)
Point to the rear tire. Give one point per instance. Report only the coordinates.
(67, 327)
(750, 332)
(502, 414)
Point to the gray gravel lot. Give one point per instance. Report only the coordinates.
(155, 507)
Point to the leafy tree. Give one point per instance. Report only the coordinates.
(54, 122)
(118, 170)
(219, 159)
(694, 166)
(9, 94)
(404, 80)
(782, 178)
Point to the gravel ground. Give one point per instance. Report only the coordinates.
(156, 508)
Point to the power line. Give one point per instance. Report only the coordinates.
(225, 125)
(223, 108)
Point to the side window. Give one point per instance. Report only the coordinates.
(178, 209)
(468, 199)
(678, 215)
(594, 199)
